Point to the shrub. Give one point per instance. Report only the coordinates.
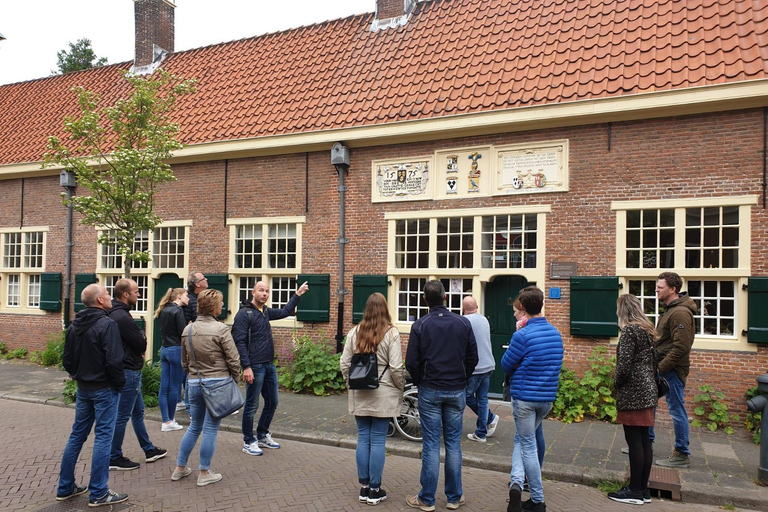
(70, 391)
(19, 353)
(314, 368)
(150, 384)
(712, 410)
(3, 349)
(753, 421)
(54, 350)
(589, 396)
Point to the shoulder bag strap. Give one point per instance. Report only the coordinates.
(192, 349)
(377, 355)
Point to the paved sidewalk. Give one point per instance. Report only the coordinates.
(723, 467)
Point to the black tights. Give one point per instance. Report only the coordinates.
(640, 456)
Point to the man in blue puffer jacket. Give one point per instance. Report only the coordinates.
(534, 358)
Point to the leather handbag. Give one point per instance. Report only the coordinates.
(364, 372)
(222, 397)
(661, 383)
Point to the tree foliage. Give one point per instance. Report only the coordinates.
(80, 56)
(118, 153)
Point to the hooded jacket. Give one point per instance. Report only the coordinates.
(260, 348)
(676, 331)
(134, 341)
(93, 352)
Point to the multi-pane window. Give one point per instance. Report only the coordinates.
(245, 287)
(712, 237)
(281, 252)
(645, 290)
(21, 264)
(248, 246)
(282, 290)
(111, 259)
(650, 236)
(168, 247)
(412, 243)
(141, 280)
(509, 241)
(456, 289)
(455, 242)
(410, 305)
(716, 301)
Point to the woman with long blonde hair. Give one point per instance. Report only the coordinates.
(170, 316)
(636, 395)
(373, 408)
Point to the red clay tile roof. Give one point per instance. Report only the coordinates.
(453, 57)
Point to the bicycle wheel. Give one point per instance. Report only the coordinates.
(409, 423)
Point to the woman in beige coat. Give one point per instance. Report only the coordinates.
(373, 408)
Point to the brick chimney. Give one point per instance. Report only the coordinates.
(392, 13)
(154, 30)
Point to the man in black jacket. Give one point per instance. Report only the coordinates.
(93, 356)
(441, 357)
(131, 404)
(196, 282)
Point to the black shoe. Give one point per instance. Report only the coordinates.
(647, 496)
(530, 506)
(364, 494)
(525, 487)
(515, 497)
(376, 496)
(108, 499)
(154, 454)
(627, 495)
(77, 491)
(123, 464)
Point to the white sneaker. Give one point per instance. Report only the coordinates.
(253, 448)
(492, 426)
(268, 442)
(171, 426)
(180, 406)
(473, 437)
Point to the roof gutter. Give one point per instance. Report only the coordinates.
(689, 101)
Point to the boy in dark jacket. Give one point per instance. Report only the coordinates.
(93, 356)
(253, 337)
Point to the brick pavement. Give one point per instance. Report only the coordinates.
(299, 477)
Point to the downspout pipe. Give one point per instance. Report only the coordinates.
(68, 181)
(765, 154)
(342, 241)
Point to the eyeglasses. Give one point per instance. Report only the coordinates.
(203, 279)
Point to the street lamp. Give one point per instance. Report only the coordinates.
(68, 180)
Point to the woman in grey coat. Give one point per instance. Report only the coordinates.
(373, 408)
(636, 395)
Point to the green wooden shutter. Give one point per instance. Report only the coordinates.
(220, 282)
(362, 288)
(81, 281)
(757, 300)
(315, 305)
(50, 291)
(593, 306)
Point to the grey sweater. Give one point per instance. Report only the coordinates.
(482, 331)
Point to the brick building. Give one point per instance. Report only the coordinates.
(581, 145)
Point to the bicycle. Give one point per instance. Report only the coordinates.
(408, 423)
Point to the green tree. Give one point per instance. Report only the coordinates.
(118, 153)
(80, 56)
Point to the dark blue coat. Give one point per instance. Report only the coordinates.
(260, 348)
(93, 351)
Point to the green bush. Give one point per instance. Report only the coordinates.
(70, 391)
(589, 396)
(3, 349)
(754, 419)
(150, 384)
(54, 350)
(19, 353)
(712, 410)
(314, 368)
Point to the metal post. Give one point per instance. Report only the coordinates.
(760, 404)
(68, 181)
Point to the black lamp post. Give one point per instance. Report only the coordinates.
(68, 180)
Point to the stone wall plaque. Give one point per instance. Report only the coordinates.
(563, 269)
(532, 168)
(402, 180)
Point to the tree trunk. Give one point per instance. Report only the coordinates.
(126, 266)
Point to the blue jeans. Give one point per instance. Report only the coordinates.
(171, 378)
(525, 459)
(130, 406)
(97, 407)
(676, 405)
(264, 383)
(370, 454)
(477, 400)
(199, 421)
(441, 411)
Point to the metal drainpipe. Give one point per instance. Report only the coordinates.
(342, 241)
(70, 244)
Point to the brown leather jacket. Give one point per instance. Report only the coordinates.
(676, 331)
(214, 347)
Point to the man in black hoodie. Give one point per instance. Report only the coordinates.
(93, 356)
(131, 404)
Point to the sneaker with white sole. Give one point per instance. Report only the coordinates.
(456, 504)
(77, 491)
(364, 491)
(155, 454)
(492, 426)
(180, 406)
(210, 478)
(473, 437)
(646, 496)
(252, 449)
(110, 498)
(627, 495)
(376, 496)
(415, 502)
(123, 464)
(170, 426)
(268, 442)
(178, 475)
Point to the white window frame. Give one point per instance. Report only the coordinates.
(739, 275)
(28, 278)
(264, 271)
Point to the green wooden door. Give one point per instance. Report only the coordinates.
(499, 296)
(162, 284)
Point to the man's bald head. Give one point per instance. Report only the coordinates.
(96, 296)
(469, 305)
